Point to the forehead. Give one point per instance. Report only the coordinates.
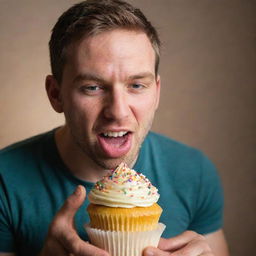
(116, 41)
(114, 48)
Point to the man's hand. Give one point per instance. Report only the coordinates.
(62, 238)
(188, 243)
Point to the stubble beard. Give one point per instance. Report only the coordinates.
(110, 163)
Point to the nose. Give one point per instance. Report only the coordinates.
(116, 105)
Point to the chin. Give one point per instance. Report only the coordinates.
(110, 164)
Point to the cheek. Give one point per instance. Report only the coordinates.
(88, 111)
(80, 110)
(147, 102)
(144, 108)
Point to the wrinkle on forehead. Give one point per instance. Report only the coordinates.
(116, 54)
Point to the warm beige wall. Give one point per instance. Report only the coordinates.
(208, 94)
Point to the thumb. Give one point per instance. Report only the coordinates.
(72, 204)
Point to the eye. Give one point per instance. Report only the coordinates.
(90, 89)
(136, 86)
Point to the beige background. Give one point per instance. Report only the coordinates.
(208, 96)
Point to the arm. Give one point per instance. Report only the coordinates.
(7, 254)
(217, 242)
(190, 243)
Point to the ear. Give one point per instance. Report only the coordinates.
(158, 89)
(53, 91)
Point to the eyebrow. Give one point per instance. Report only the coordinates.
(88, 76)
(97, 78)
(142, 75)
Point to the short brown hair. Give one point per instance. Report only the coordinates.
(92, 17)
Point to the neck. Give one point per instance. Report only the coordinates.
(79, 164)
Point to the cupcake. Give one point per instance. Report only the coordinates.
(124, 213)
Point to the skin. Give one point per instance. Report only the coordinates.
(124, 98)
(108, 85)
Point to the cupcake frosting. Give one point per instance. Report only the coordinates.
(124, 187)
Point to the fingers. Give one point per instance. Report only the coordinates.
(74, 245)
(66, 233)
(64, 219)
(152, 251)
(179, 241)
(63, 222)
(62, 238)
(195, 247)
(188, 243)
(72, 204)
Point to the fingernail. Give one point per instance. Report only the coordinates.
(78, 191)
(149, 252)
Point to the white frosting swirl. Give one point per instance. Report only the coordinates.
(124, 187)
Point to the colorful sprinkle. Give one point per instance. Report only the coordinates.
(130, 179)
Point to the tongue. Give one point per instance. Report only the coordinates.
(115, 146)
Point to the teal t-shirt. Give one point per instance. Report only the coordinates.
(34, 183)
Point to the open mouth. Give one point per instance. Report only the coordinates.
(115, 144)
(114, 134)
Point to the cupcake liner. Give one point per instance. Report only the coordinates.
(123, 243)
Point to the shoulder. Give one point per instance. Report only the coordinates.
(178, 161)
(25, 144)
(166, 148)
(162, 142)
(17, 155)
(187, 178)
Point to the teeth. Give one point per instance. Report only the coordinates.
(114, 134)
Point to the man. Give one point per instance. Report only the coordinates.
(104, 59)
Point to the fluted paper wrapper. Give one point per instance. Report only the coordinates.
(124, 243)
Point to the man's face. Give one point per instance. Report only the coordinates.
(109, 95)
